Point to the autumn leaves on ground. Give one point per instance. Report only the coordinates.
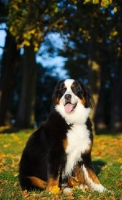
(107, 161)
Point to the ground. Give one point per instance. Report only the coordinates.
(107, 161)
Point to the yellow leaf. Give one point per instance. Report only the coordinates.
(119, 160)
(115, 33)
(26, 43)
(55, 190)
(35, 49)
(95, 1)
(7, 145)
(15, 7)
(19, 46)
(15, 175)
(115, 9)
(2, 155)
(86, 1)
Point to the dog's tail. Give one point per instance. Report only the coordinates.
(32, 182)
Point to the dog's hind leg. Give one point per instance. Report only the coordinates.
(32, 182)
(53, 184)
(36, 182)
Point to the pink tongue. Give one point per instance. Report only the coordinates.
(68, 108)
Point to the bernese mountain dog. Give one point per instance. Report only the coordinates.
(58, 154)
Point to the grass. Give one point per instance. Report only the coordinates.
(107, 161)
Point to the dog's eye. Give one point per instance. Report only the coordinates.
(63, 90)
(75, 89)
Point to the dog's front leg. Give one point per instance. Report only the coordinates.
(92, 180)
(90, 177)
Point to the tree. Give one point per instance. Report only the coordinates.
(88, 40)
(26, 114)
(98, 40)
(9, 65)
(29, 23)
(8, 72)
(30, 31)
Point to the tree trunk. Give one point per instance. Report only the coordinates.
(100, 107)
(94, 75)
(8, 72)
(26, 110)
(116, 104)
(94, 83)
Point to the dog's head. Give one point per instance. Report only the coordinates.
(72, 97)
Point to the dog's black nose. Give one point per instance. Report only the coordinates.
(67, 97)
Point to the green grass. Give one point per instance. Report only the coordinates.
(107, 161)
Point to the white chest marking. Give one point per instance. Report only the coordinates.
(78, 142)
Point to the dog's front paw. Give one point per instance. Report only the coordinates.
(99, 188)
(67, 190)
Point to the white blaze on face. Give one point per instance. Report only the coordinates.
(69, 106)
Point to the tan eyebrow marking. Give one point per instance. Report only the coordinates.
(73, 85)
(64, 87)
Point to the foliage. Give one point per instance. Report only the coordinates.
(103, 3)
(94, 40)
(91, 30)
(107, 161)
(31, 21)
(3, 11)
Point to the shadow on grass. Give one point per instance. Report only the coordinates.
(10, 130)
(107, 132)
(98, 164)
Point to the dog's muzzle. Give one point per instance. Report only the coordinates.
(69, 107)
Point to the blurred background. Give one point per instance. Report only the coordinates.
(44, 41)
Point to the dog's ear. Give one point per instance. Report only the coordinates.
(53, 99)
(87, 94)
(88, 97)
(56, 89)
(56, 93)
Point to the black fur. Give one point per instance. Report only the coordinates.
(44, 152)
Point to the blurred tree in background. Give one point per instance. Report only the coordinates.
(9, 63)
(91, 33)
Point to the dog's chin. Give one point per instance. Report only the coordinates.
(69, 107)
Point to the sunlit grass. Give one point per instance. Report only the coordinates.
(107, 161)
